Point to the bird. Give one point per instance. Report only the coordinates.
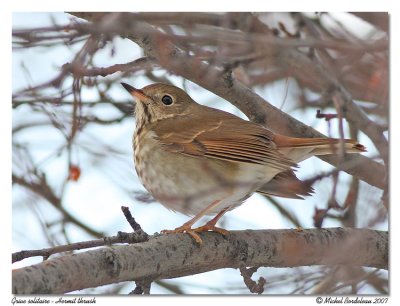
(201, 161)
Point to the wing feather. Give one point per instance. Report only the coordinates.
(222, 136)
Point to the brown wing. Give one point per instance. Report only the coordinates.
(220, 135)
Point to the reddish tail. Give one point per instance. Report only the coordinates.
(322, 146)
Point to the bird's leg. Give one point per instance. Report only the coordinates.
(210, 225)
(187, 227)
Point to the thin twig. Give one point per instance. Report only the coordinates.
(47, 252)
(135, 226)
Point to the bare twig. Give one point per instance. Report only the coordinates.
(47, 252)
(135, 226)
(327, 117)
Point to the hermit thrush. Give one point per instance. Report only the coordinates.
(202, 161)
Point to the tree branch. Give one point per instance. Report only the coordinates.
(177, 255)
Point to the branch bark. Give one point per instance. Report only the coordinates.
(170, 256)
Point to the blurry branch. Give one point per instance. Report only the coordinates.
(17, 100)
(284, 212)
(43, 189)
(352, 282)
(176, 255)
(378, 19)
(169, 52)
(339, 277)
(29, 125)
(170, 287)
(347, 210)
(138, 64)
(113, 22)
(355, 66)
(300, 63)
(350, 204)
(58, 102)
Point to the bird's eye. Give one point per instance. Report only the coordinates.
(167, 100)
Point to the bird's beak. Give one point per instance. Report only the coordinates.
(137, 93)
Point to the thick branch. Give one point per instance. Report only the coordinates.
(171, 256)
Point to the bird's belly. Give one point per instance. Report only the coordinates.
(189, 184)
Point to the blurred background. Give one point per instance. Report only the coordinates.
(72, 136)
